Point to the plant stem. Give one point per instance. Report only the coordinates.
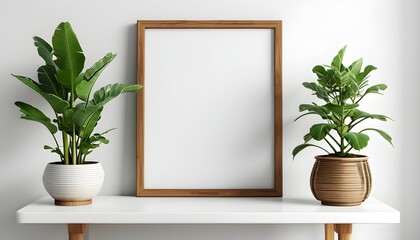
(332, 147)
(341, 144)
(56, 143)
(79, 154)
(361, 98)
(349, 150)
(355, 123)
(333, 139)
(73, 137)
(74, 151)
(341, 103)
(65, 148)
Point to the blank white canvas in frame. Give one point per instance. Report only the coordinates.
(209, 109)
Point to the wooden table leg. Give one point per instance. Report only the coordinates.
(343, 230)
(76, 231)
(329, 231)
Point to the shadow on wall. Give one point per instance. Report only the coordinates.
(207, 232)
(129, 126)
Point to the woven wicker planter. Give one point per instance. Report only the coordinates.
(340, 181)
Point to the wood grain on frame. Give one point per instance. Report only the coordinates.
(142, 25)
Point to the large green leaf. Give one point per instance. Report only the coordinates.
(358, 114)
(33, 114)
(84, 88)
(66, 121)
(343, 79)
(320, 91)
(356, 66)
(100, 98)
(362, 77)
(376, 88)
(385, 135)
(319, 131)
(320, 71)
(59, 105)
(70, 59)
(368, 69)
(92, 142)
(44, 51)
(48, 81)
(337, 61)
(87, 145)
(111, 91)
(83, 113)
(105, 94)
(300, 147)
(307, 137)
(340, 110)
(356, 140)
(310, 113)
(90, 124)
(313, 109)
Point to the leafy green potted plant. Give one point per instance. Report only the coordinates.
(341, 177)
(68, 89)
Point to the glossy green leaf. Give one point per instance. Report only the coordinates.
(300, 147)
(33, 114)
(55, 150)
(100, 98)
(358, 114)
(308, 113)
(98, 138)
(111, 91)
(58, 104)
(70, 59)
(356, 66)
(313, 109)
(48, 81)
(90, 124)
(66, 122)
(320, 92)
(376, 88)
(368, 69)
(340, 109)
(319, 131)
(84, 88)
(337, 61)
(321, 73)
(83, 114)
(385, 135)
(356, 140)
(92, 142)
(307, 137)
(44, 51)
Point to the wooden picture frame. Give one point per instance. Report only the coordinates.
(275, 27)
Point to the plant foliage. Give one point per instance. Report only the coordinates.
(67, 88)
(341, 89)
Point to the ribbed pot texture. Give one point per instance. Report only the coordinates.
(340, 181)
(73, 185)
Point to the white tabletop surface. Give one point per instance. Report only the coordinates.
(192, 210)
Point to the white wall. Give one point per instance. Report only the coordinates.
(385, 33)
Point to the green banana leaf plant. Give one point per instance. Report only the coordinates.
(68, 89)
(341, 89)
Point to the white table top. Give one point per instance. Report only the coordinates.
(227, 210)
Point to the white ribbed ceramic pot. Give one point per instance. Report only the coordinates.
(73, 185)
